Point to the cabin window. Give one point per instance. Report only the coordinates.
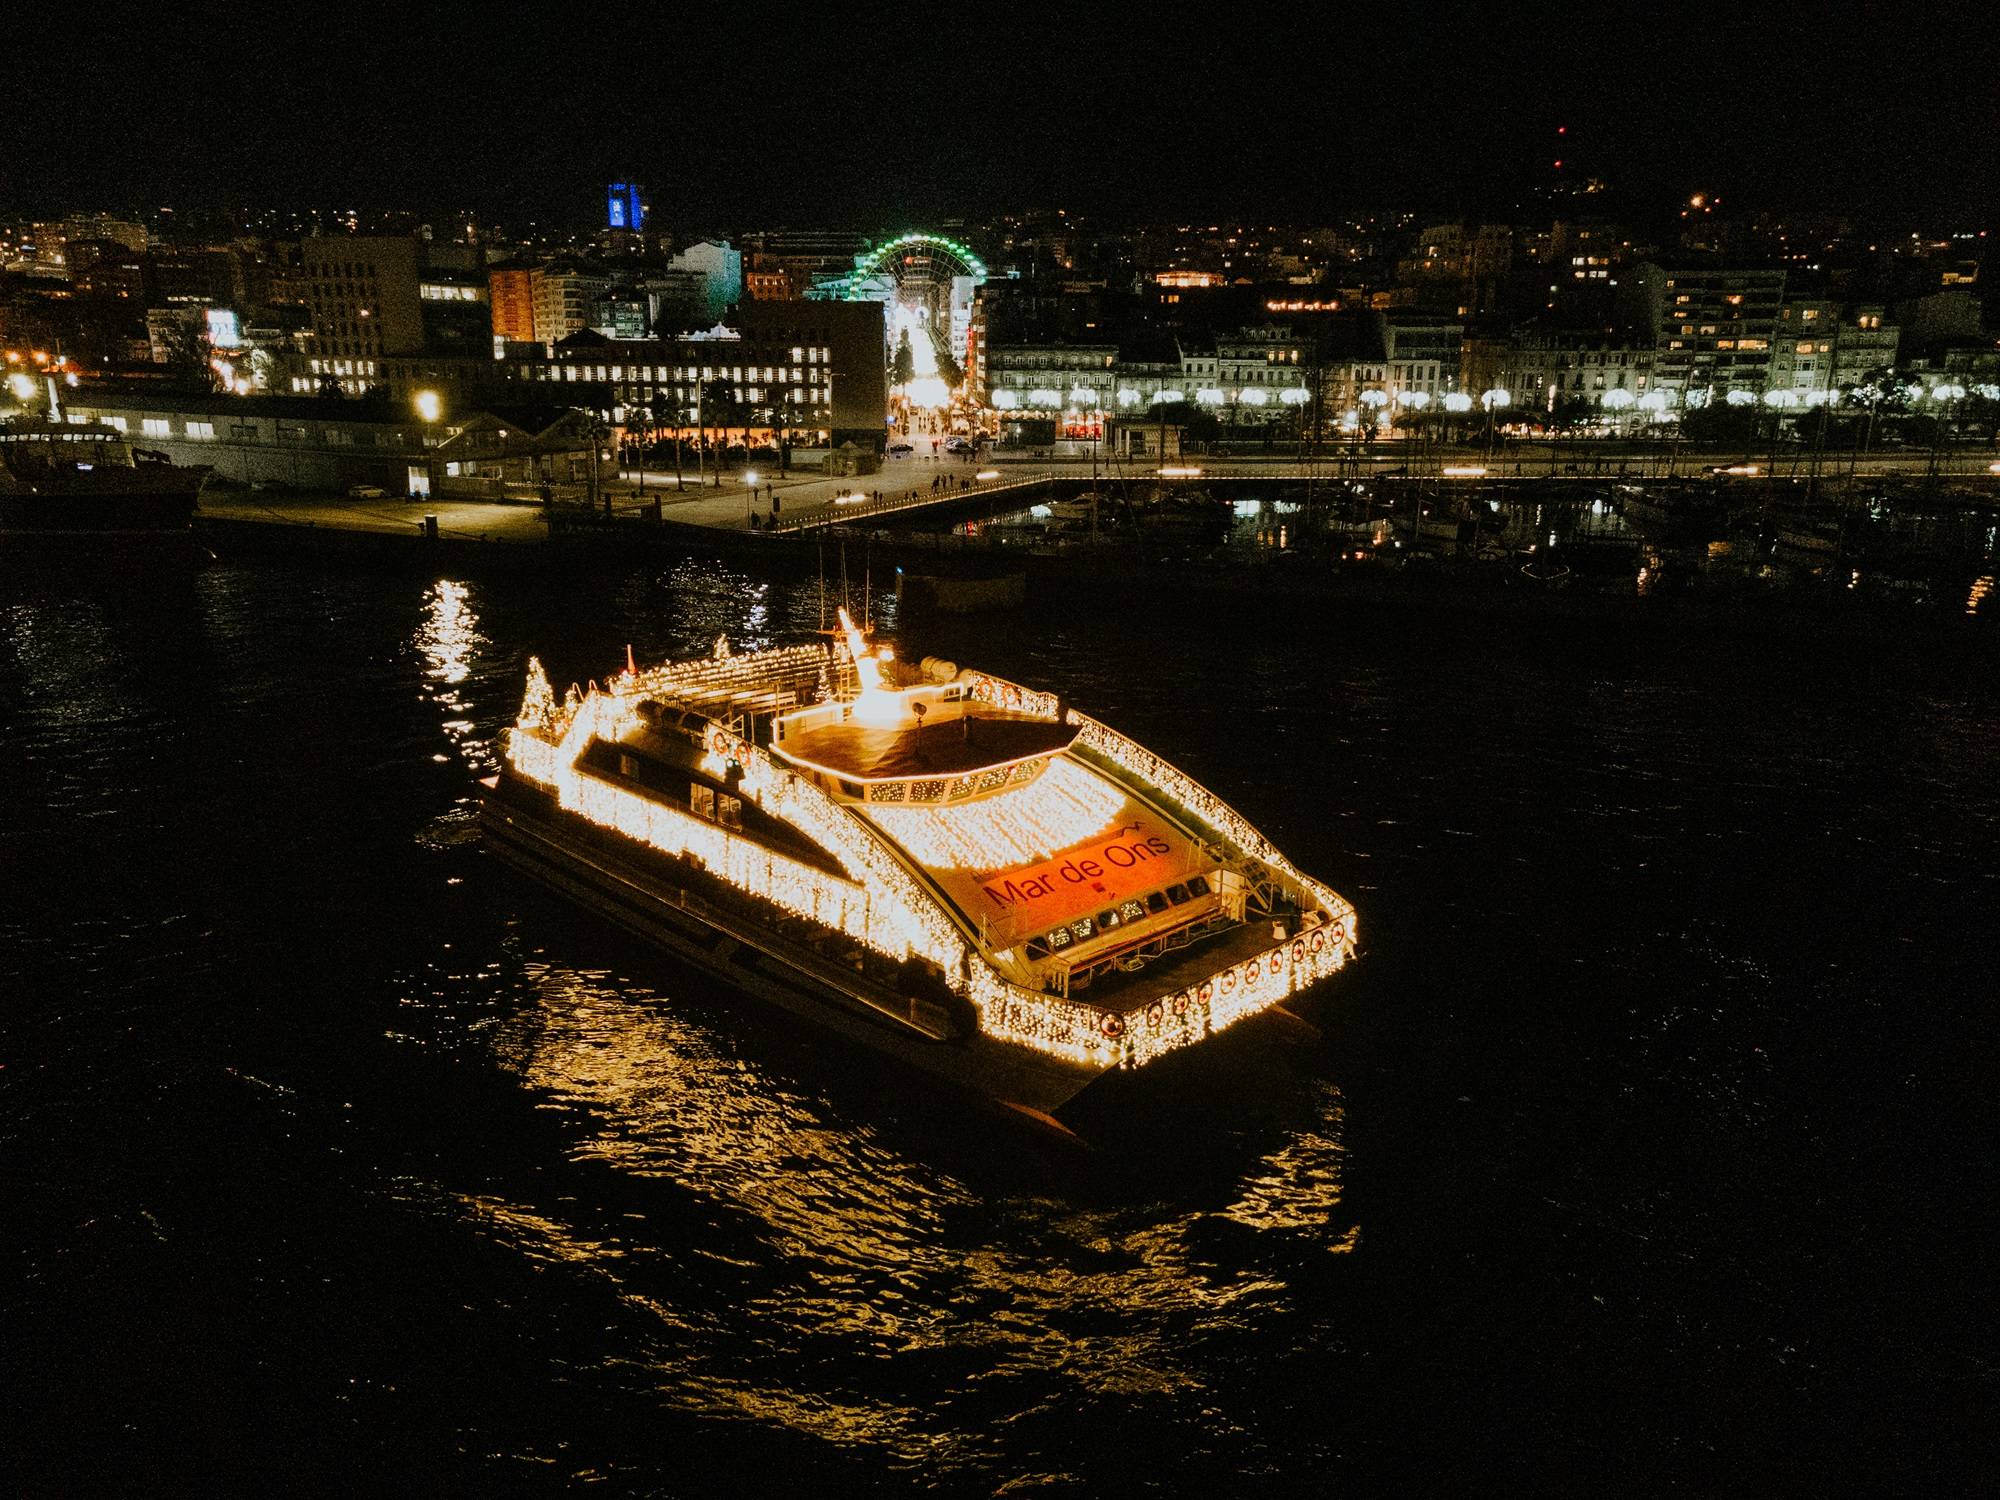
(1059, 938)
(1106, 920)
(1131, 911)
(702, 800)
(729, 811)
(1198, 886)
(1080, 928)
(1157, 901)
(1177, 894)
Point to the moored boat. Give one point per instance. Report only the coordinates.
(953, 868)
(68, 480)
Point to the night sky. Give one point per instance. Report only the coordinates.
(1292, 112)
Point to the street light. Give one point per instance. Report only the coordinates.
(1494, 400)
(429, 407)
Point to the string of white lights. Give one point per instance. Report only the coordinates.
(1061, 808)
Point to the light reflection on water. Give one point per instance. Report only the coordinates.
(857, 1269)
(449, 640)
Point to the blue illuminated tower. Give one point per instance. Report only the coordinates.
(625, 206)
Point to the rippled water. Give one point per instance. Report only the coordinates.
(1648, 1145)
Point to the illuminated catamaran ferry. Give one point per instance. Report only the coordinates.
(951, 867)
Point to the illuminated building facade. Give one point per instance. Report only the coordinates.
(511, 293)
(1542, 368)
(1713, 327)
(625, 207)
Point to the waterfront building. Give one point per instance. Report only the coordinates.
(1043, 381)
(809, 373)
(1712, 326)
(332, 445)
(1424, 351)
(1865, 345)
(1541, 369)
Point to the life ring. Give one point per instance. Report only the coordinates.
(1181, 1003)
(1113, 1027)
(1277, 959)
(1250, 972)
(1228, 982)
(1155, 1014)
(1339, 934)
(1318, 940)
(1299, 952)
(1207, 991)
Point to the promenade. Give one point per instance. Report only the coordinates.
(806, 500)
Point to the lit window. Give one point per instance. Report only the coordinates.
(155, 426)
(201, 429)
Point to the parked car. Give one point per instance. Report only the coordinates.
(897, 450)
(366, 492)
(957, 445)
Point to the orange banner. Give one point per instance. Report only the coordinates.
(1137, 856)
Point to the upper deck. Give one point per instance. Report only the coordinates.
(924, 744)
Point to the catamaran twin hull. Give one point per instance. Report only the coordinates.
(946, 865)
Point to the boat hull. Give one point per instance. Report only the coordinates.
(524, 829)
(119, 513)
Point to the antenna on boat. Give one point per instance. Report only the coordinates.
(845, 602)
(631, 669)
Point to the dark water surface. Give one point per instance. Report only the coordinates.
(1648, 1146)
